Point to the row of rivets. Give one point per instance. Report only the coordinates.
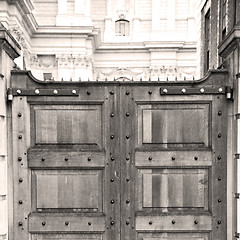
(20, 180)
(173, 158)
(112, 201)
(128, 157)
(55, 91)
(66, 159)
(202, 90)
(66, 223)
(173, 222)
(219, 200)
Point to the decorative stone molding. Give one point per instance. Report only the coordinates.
(18, 35)
(73, 61)
(33, 61)
(153, 73)
(101, 74)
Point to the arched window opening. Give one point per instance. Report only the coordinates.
(122, 27)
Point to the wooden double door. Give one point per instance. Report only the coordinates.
(121, 160)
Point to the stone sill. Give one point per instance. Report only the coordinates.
(231, 41)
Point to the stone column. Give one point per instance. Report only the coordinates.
(155, 15)
(82, 7)
(62, 7)
(79, 7)
(61, 18)
(136, 18)
(191, 34)
(108, 21)
(170, 15)
(9, 50)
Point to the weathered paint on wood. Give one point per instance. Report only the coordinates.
(120, 161)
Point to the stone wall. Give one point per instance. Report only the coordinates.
(9, 50)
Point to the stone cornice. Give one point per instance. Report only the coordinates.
(231, 42)
(8, 43)
(25, 5)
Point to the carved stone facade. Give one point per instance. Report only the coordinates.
(157, 73)
(62, 67)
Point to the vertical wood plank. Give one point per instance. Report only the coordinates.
(147, 126)
(21, 189)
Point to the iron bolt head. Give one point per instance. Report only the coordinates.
(20, 201)
(127, 93)
(67, 223)
(150, 92)
(196, 221)
(20, 137)
(112, 115)
(165, 90)
(219, 157)
(195, 158)
(219, 178)
(112, 222)
(112, 201)
(127, 158)
(112, 136)
(89, 223)
(184, 90)
(66, 159)
(37, 91)
(219, 113)
(150, 222)
(220, 90)
(173, 158)
(127, 114)
(219, 222)
(150, 158)
(173, 221)
(127, 137)
(219, 135)
(127, 222)
(20, 180)
(19, 159)
(88, 93)
(112, 158)
(19, 91)
(20, 224)
(89, 159)
(19, 114)
(202, 90)
(128, 201)
(112, 180)
(127, 179)
(55, 91)
(219, 200)
(43, 223)
(112, 92)
(74, 91)
(43, 159)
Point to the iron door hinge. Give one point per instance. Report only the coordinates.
(185, 90)
(11, 92)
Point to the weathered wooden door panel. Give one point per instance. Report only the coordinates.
(65, 145)
(180, 162)
(120, 160)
